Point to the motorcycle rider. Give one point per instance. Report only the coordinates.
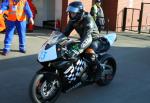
(85, 26)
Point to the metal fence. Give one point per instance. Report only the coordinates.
(130, 19)
(144, 18)
(137, 19)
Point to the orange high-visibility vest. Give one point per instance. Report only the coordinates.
(2, 23)
(16, 11)
(5, 12)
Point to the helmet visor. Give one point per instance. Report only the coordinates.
(98, 0)
(72, 9)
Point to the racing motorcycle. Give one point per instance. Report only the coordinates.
(61, 73)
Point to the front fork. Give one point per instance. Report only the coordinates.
(49, 75)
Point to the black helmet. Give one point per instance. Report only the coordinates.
(98, 0)
(75, 7)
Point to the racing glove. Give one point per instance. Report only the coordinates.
(74, 50)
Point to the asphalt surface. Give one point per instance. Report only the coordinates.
(130, 85)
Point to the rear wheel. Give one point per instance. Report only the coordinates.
(108, 70)
(44, 90)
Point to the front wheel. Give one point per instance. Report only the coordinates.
(108, 69)
(43, 89)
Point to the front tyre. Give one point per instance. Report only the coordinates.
(43, 89)
(108, 69)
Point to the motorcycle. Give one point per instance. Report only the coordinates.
(61, 73)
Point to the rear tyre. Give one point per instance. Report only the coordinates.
(44, 90)
(108, 69)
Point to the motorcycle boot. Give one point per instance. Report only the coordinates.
(96, 47)
(93, 62)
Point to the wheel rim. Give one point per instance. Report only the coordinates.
(108, 72)
(45, 90)
(48, 89)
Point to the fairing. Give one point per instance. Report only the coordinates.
(48, 52)
(111, 37)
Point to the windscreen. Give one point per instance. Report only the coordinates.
(56, 37)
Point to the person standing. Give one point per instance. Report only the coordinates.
(34, 12)
(17, 11)
(98, 14)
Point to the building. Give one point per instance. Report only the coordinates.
(133, 15)
(47, 10)
(56, 10)
(113, 10)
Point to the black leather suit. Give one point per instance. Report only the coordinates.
(86, 28)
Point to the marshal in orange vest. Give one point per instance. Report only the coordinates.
(16, 10)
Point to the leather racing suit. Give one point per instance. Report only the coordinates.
(86, 28)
